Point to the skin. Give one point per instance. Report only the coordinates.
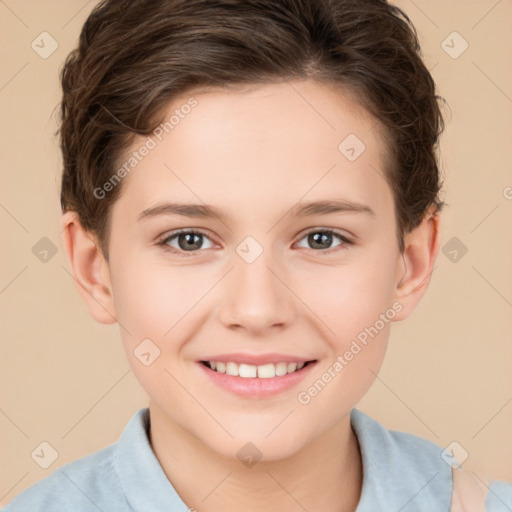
(255, 153)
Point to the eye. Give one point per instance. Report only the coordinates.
(187, 241)
(191, 241)
(322, 238)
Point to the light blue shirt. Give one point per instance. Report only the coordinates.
(401, 472)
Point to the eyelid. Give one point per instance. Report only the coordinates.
(328, 230)
(162, 240)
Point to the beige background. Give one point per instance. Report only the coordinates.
(447, 376)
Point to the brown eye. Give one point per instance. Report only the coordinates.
(322, 239)
(187, 241)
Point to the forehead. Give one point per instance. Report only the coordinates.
(271, 142)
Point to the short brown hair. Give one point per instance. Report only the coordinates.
(134, 56)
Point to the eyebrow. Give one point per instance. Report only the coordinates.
(299, 210)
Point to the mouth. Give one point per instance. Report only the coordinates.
(264, 371)
(256, 381)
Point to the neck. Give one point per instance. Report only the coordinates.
(324, 475)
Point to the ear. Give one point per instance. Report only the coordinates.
(416, 263)
(89, 267)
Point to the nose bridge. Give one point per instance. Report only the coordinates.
(256, 298)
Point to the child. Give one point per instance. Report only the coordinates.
(250, 190)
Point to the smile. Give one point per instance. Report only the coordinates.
(265, 371)
(256, 381)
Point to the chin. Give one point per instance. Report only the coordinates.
(244, 446)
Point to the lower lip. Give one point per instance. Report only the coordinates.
(254, 387)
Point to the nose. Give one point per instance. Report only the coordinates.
(255, 297)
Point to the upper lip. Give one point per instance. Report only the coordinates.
(257, 359)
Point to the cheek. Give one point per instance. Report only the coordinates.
(355, 312)
(351, 297)
(156, 303)
(150, 299)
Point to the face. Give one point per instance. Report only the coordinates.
(266, 278)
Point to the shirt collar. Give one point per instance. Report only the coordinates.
(404, 471)
(144, 482)
(389, 471)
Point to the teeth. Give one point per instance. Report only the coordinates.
(281, 369)
(265, 371)
(232, 369)
(246, 370)
(291, 367)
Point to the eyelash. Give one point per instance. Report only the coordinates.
(187, 254)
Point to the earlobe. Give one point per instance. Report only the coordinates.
(89, 268)
(418, 260)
